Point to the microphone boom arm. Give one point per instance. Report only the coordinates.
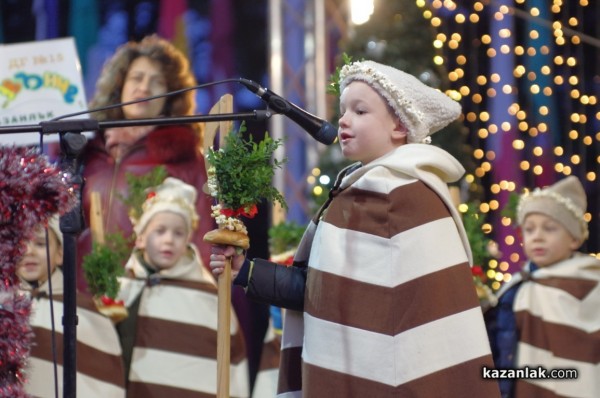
(80, 125)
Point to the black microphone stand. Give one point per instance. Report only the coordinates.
(72, 143)
(71, 224)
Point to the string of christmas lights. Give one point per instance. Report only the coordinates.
(526, 74)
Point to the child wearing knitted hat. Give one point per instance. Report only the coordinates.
(380, 299)
(99, 365)
(169, 339)
(547, 315)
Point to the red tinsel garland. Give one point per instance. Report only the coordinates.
(31, 191)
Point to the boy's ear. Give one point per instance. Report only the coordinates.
(400, 131)
(575, 244)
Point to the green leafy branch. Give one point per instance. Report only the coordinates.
(137, 185)
(104, 264)
(334, 85)
(244, 171)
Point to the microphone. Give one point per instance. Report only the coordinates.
(321, 130)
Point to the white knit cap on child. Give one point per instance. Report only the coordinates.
(565, 201)
(172, 195)
(422, 109)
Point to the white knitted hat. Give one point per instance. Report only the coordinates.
(565, 201)
(172, 195)
(422, 109)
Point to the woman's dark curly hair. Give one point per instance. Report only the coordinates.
(175, 68)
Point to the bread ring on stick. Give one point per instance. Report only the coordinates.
(115, 311)
(223, 236)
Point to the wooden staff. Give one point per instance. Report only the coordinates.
(224, 105)
(223, 331)
(229, 238)
(96, 223)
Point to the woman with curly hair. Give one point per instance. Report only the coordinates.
(137, 70)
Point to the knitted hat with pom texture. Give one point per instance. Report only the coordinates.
(565, 201)
(422, 109)
(174, 196)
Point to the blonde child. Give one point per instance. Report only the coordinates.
(99, 362)
(170, 338)
(547, 315)
(380, 297)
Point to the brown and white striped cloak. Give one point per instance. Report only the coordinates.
(175, 346)
(99, 364)
(390, 308)
(557, 310)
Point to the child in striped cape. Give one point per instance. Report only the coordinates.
(170, 337)
(380, 296)
(547, 315)
(99, 362)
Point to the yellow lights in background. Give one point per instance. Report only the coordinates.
(509, 240)
(318, 181)
(312, 181)
(497, 272)
(560, 70)
(518, 145)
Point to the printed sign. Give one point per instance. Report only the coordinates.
(39, 81)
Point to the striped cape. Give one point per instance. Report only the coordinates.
(100, 371)
(556, 310)
(175, 336)
(390, 306)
